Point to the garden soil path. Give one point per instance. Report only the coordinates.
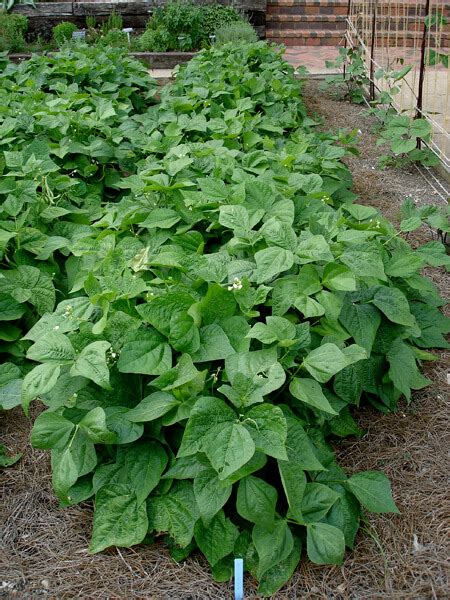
(44, 549)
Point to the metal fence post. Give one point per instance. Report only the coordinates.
(349, 6)
(422, 64)
(372, 51)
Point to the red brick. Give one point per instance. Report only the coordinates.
(313, 41)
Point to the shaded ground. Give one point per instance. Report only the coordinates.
(44, 550)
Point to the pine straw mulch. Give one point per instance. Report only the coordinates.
(44, 549)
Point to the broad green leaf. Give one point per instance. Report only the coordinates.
(152, 407)
(275, 577)
(373, 490)
(404, 264)
(337, 277)
(83, 452)
(234, 217)
(393, 303)
(210, 493)
(80, 491)
(223, 570)
(65, 471)
(91, 363)
(314, 248)
(29, 284)
(11, 394)
(104, 108)
(214, 188)
(262, 367)
(10, 309)
(38, 381)
(142, 465)
(310, 392)
(257, 462)
(348, 383)
(187, 467)
(9, 333)
(118, 422)
(207, 417)
(308, 281)
(51, 430)
(402, 146)
(231, 449)
(354, 353)
(53, 348)
(119, 520)
(160, 310)
(217, 539)
(8, 460)
(325, 544)
(293, 480)
(410, 224)
(364, 262)
(300, 449)
(273, 545)
(360, 212)
(184, 335)
(68, 316)
(161, 218)
(256, 501)
(94, 426)
(214, 429)
(271, 262)
(345, 515)
(308, 306)
(317, 501)
(403, 371)
(175, 513)
(309, 184)
(244, 391)
(275, 329)
(146, 354)
(268, 429)
(327, 360)
(280, 234)
(183, 375)
(361, 321)
(433, 253)
(218, 304)
(214, 344)
(8, 372)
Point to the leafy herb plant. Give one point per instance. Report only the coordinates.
(235, 33)
(13, 28)
(192, 292)
(62, 33)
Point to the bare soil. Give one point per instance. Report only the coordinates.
(44, 549)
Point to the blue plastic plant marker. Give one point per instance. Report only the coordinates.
(238, 579)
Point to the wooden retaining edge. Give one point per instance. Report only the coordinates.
(77, 9)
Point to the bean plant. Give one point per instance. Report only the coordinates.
(191, 290)
(406, 136)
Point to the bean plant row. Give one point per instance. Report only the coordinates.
(191, 289)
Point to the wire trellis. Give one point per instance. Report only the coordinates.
(395, 33)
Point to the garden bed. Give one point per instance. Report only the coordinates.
(46, 15)
(155, 60)
(403, 557)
